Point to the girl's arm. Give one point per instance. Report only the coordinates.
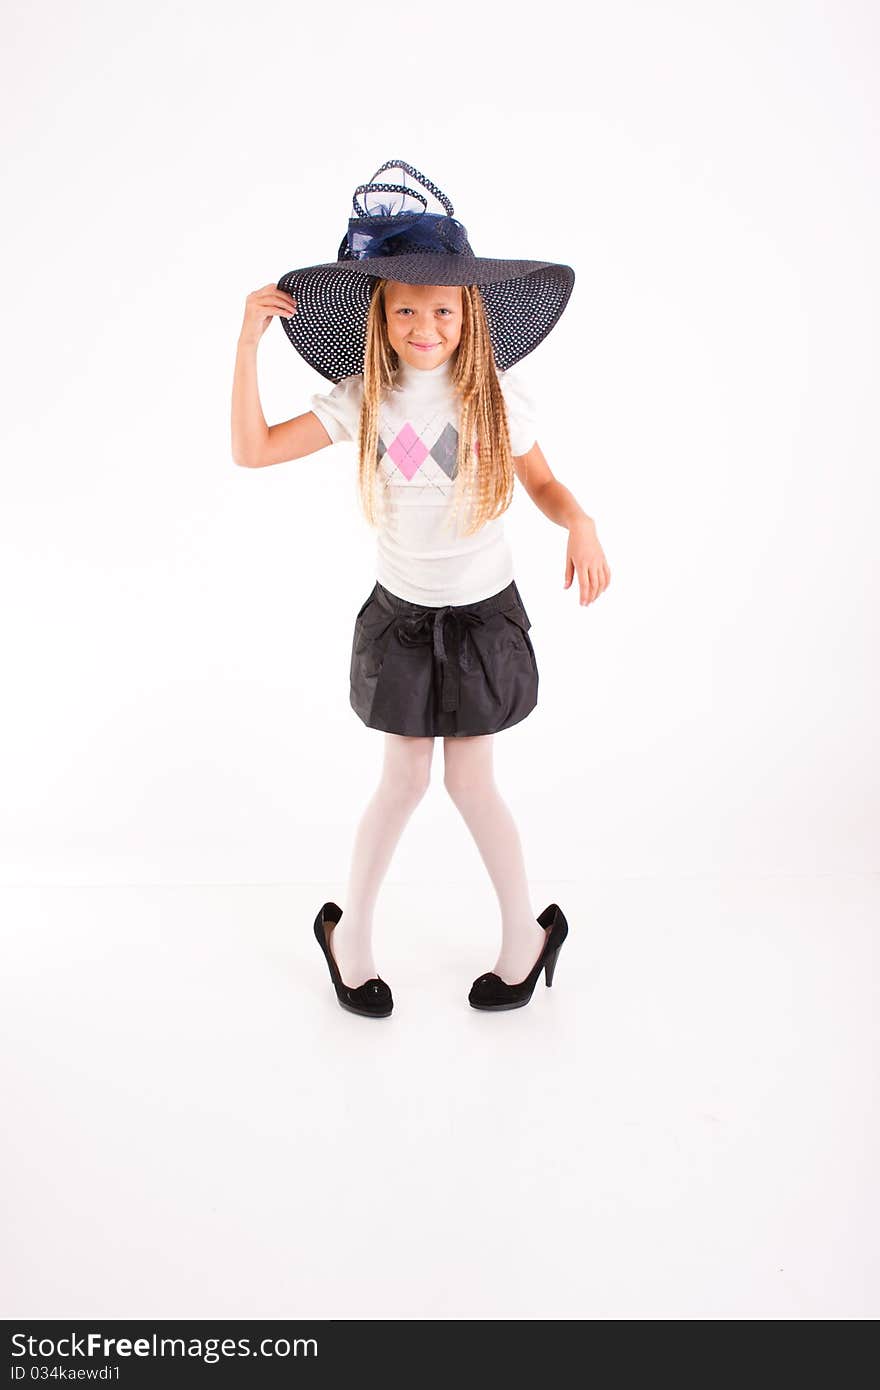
(254, 443)
(584, 554)
(546, 491)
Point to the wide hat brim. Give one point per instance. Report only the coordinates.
(523, 302)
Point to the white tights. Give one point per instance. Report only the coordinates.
(469, 778)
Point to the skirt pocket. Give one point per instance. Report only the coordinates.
(373, 632)
(509, 627)
(518, 618)
(517, 628)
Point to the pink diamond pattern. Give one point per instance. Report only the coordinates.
(408, 450)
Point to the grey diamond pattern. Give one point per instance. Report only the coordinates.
(445, 451)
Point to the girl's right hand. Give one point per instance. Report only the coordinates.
(261, 307)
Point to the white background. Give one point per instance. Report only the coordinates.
(176, 630)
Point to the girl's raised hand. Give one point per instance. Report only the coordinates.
(261, 306)
(586, 558)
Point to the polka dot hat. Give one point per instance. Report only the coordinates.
(396, 235)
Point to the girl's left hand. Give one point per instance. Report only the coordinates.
(586, 556)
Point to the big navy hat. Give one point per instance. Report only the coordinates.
(409, 234)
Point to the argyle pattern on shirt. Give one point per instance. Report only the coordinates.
(418, 452)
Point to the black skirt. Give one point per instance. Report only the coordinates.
(455, 671)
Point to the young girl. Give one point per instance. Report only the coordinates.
(418, 335)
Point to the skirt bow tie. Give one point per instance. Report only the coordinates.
(430, 627)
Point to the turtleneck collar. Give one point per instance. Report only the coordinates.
(412, 378)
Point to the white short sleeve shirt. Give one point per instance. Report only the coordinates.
(420, 554)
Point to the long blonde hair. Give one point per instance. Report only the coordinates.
(485, 476)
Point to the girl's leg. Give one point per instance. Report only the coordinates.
(406, 776)
(470, 780)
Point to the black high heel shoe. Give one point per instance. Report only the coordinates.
(373, 998)
(491, 992)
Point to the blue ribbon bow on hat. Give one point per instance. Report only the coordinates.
(392, 226)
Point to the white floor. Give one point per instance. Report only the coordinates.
(684, 1126)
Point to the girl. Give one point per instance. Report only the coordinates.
(418, 335)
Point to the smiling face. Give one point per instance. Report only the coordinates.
(424, 322)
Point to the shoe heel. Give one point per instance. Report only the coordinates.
(550, 966)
